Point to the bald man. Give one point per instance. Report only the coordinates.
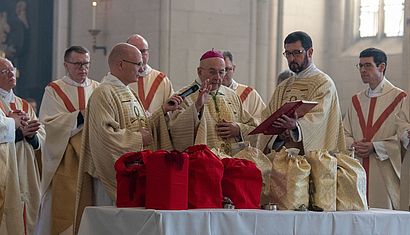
(28, 139)
(154, 88)
(116, 123)
(214, 114)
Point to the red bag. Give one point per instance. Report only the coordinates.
(205, 176)
(131, 175)
(167, 180)
(242, 183)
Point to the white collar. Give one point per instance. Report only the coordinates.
(310, 71)
(112, 80)
(71, 82)
(378, 90)
(6, 96)
(234, 85)
(147, 71)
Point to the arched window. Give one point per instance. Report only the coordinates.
(381, 18)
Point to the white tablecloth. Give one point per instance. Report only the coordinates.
(111, 220)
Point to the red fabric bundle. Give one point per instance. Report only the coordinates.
(167, 180)
(242, 183)
(205, 176)
(131, 176)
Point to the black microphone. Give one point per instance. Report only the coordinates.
(186, 93)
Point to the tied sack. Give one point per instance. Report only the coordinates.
(205, 176)
(323, 184)
(167, 180)
(351, 184)
(131, 176)
(242, 183)
(290, 180)
(262, 163)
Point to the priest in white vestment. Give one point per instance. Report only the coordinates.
(370, 128)
(28, 140)
(154, 88)
(214, 114)
(321, 127)
(11, 122)
(250, 98)
(62, 113)
(116, 123)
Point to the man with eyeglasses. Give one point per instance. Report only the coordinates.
(250, 98)
(62, 113)
(214, 114)
(370, 128)
(155, 88)
(20, 136)
(322, 127)
(116, 123)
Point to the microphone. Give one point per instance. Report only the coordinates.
(186, 93)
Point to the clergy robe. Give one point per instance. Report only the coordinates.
(188, 127)
(403, 125)
(63, 100)
(369, 118)
(250, 98)
(321, 127)
(11, 209)
(28, 170)
(114, 117)
(153, 90)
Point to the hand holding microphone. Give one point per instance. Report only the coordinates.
(186, 93)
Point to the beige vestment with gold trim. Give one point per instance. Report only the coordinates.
(114, 117)
(188, 129)
(321, 127)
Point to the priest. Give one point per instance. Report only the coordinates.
(213, 115)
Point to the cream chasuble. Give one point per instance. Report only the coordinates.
(187, 129)
(63, 100)
(153, 90)
(11, 209)
(28, 167)
(250, 98)
(403, 126)
(383, 166)
(113, 120)
(322, 127)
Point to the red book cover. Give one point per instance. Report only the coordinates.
(297, 108)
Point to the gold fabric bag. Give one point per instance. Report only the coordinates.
(290, 179)
(351, 184)
(262, 163)
(323, 180)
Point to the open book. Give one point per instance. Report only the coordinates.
(297, 108)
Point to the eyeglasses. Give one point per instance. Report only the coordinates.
(8, 70)
(294, 53)
(79, 65)
(134, 63)
(144, 51)
(366, 66)
(215, 72)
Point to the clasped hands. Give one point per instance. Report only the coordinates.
(22, 121)
(362, 148)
